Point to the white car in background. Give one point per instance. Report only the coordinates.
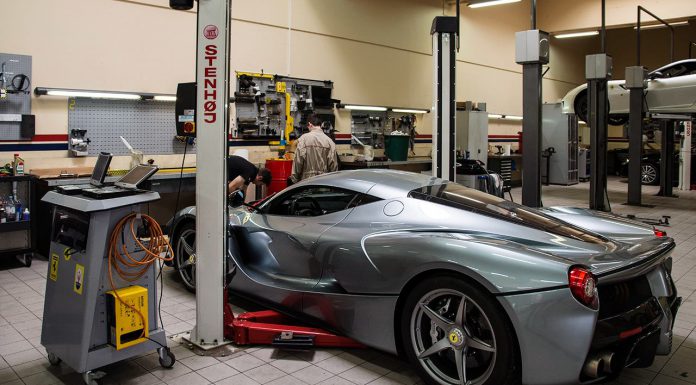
(671, 89)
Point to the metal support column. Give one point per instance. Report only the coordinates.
(444, 32)
(667, 157)
(598, 69)
(212, 78)
(685, 157)
(635, 82)
(532, 51)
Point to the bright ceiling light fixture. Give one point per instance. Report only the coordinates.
(409, 111)
(576, 34)
(165, 98)
(93, 95)
(489, 3)
(653, 26)
(364, 108)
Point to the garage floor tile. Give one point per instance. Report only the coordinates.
(22, 360)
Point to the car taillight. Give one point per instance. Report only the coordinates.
(659, 233)
(583, 285)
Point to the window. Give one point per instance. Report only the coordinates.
(313, 201)
(464, 198)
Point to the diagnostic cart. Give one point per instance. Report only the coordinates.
(100, 309)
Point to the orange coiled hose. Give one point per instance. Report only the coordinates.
(131, 268)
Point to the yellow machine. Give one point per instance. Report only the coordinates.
(127, 316)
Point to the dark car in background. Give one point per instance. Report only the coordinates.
(650, 166)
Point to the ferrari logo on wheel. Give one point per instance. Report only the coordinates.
(456, 337)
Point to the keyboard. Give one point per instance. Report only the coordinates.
(109, 192)
(73, 189)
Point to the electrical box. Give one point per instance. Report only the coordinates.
(560, 131)
(472, 134)
(127, 316)
(598, 66)
(185, 109)
(532, 47)
(636, 77)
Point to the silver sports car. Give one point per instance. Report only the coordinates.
(471, 288)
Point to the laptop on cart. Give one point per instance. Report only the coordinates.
(95, 181)
(127, 185)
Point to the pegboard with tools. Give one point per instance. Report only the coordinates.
(277, 107)
(260, 108)
(16, 121)
(147, 125)
(367, 128)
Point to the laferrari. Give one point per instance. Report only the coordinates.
(469, 287)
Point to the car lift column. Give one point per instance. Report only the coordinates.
(635, 82)
(685, 157)
(667, 126)
(212, 79)
(444, 32)
(598, 69)
(532, 51)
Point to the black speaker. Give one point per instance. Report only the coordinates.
(185, 109)
(183, 5)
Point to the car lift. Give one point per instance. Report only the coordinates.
(445, 37)
(532, 52)
(216, 325)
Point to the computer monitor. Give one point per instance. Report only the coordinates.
(100, 169)
(136, 176)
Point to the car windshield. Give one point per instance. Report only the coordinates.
(454, 195)
(687, 67)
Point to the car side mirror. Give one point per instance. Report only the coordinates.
(656, 75)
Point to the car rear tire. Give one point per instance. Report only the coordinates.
(581, 106)
(453, 333)
(185, 255)
(649, 174)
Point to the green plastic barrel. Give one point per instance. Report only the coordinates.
(396, 147)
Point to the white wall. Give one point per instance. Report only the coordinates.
(376, 52)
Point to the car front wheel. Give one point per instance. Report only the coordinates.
(185, 255)
(455, 334)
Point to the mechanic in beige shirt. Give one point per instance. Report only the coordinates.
(315, 153)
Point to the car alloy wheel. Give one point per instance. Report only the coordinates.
(648, 174)
(185, 256)
(453, 338)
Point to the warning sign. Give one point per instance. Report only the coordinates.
(54, 267)
(67, 253)
(79, 282)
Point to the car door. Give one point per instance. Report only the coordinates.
(278, 241)
(675, 91)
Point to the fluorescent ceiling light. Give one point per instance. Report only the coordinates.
(495, 116)
(165, 98)
(409, 111)
(91, 94)
(576, 34)
(653, 26)
(488, 3)
(364, 108)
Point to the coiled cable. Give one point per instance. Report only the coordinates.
(131, 268)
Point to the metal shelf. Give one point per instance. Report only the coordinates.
(15, 226)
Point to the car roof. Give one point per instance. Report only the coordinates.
(381, 183)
